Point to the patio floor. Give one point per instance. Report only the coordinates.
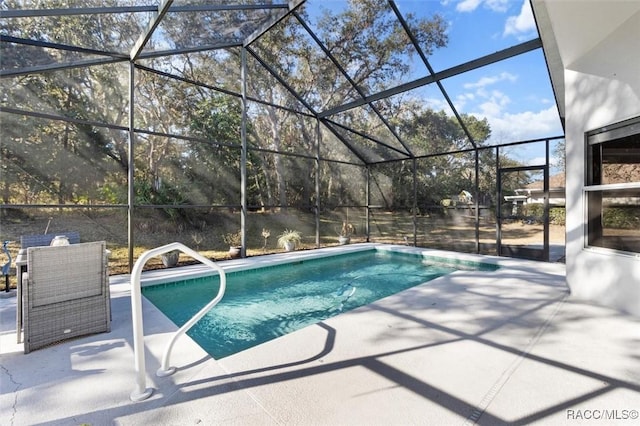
(503, 347)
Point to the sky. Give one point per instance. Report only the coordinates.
(514, 95)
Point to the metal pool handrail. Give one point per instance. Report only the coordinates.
(142, 392)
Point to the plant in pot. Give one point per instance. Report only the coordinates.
(170, 258)
(234, 240)
(344, 235)
(289, 239)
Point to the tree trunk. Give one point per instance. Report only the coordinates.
(277, 160)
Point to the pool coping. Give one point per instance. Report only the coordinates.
(162, 276)
(418, 257)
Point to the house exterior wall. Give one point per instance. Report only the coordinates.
(556, 197)
(592, 101)
(591, 50)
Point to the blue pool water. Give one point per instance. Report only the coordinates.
(265, 303)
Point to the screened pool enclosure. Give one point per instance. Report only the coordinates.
(144, 122)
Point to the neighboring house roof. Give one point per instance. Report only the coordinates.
(555, 181)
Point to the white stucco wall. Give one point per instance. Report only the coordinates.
(595, 98)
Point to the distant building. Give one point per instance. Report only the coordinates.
(534, 193)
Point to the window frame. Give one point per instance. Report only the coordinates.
(601, 137)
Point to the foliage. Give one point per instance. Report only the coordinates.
(557, 215)
(442, 176)
(289, 236)
(187, 146)
(213, 166)
(533, 210)
(363, 37)
(266, 233)
(536, 210)
(233, 239)
(621, 218)
(559, 154)
(347, 229)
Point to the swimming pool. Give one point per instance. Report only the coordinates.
(265, 303)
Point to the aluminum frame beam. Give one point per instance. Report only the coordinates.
(112, 57)
(60, 46)
(219, 89)
(296, 95)
(243, 155)
(292, 6)
(449, 72)
(416, 45)
(281, 80)
(358, 89)
(163, 8)
(328, 121)
(32, 13)
(57, 67)
(131, 196)
(342, 139)
(172, 52)
(480, 148)
(48, 116)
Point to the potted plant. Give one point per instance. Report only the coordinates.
(234, 240)
(289, 239)
(344, 235)
(170, 258)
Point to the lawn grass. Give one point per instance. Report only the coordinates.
(153, 229)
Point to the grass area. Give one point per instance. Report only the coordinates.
(152, 229)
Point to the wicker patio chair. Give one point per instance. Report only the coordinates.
(66, 293)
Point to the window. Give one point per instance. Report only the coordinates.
(613, 187)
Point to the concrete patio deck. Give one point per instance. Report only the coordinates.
(491, 348)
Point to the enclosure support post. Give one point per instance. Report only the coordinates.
(545, 215)
(477, 201)
(317, 182)
(414, 208)
(243, 156)
(498, 203)
(130, 171)
(368, 201)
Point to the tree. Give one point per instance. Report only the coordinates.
(214, 167)
(366, 41)
(429, 132)
(67, 161)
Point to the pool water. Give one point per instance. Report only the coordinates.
(265, 303)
